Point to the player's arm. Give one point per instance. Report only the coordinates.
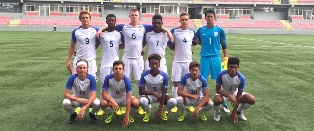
(223, 43)
(67, 95)
(171, 45)
(121, 45)
(105, 88)
(142, 87)
(128, 86)
(70, 53)
(67, 92)
(163, 90)
(169, 34)
(221, 92)
(183, 93)
(90, 100)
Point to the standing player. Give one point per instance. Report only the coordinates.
(183, 39)
(84, 96)
(157, 42)
(120, 89)
(133, 38)
(190, 93)
(211, 37)
(229, 86)
(84, 38)
(153, 89)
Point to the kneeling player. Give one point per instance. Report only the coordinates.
(229, 86)
(84, 88)
(153, 89)
(190, 93)
(120, 90)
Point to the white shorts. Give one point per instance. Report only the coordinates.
(192, 102)
(135, 65)
(79, 104)
(92, 67)
(104, 71)
(121, 101)
(178, 68)
(162, 67)
(152, 98)
(234, 95)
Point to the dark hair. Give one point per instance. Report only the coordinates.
(111, 15)
(210, 12)
(157, 17)
(154, 56)
(194, 64)
(233, 60)
(118, 62)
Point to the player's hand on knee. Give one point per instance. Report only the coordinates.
(125, 121)
(234, 116)
(196, 97)
(82, 100)
(80, 115)
(157, 96)
(232, 100)
(157, 114)
(115, 106)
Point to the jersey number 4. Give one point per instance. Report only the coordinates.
(184, 40)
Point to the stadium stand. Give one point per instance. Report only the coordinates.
(244, 17)
(303, 25)
(55, 14)
(306, 1)
(71, 14)
(296, 17)
(235, 1)
(4, 20)
(32, 13)
(222, 16)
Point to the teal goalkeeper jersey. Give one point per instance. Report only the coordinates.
(211, 39)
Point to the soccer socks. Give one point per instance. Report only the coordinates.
(217, 108)
(180, 104)
(174, 92)
(172, 102)
(207, 107)
(244, 106)
(95, 106)
(144, 104)
(66, 104)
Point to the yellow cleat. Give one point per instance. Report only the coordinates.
(131, 119)
(174, 109)
(123, 110)
(202, 116)
(109, 118)
(77, 110)
(119, 112)
(182, 116)
(90, 109)
(164, 116)
(146, 117)
(100, 113)
(190, 108)
(141, 111)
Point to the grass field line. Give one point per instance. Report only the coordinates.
(279, 44)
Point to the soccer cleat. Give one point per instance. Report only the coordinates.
(109, 117)
(77, 110)
(123, 110)
(164, 115)
(174, 109)
(241, 116)
(146, 117)
(93, 117)
(202, 116)
(119, 112)
(90, 109)
(225, 109)
(100, 113)
(182, 116)
(217, 116)
(72, 118)
(141, 111)
(190, 108)
(131, 119)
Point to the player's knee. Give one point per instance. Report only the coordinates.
(66, 102)
(104, 104)
(210, 105)
(96, 102)
(251, 99)
(135, 103)
(172, 102)
(179, 100)
(143, 101)
(218, 100)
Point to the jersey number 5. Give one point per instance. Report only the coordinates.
(111, 43)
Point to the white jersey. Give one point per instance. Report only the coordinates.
(154, 84)
(183, 44)
(81, 89)
(157, 43)
(195, 87)
(133, 38)
(110, 42)
(117, 89)
(229, 84)
(86, 41)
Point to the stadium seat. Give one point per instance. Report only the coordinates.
(4, 20)
(306, 1)
(55, 14)
(244, 17)
(296, 17)
(32, 13)
(95, 14)
(303, 25)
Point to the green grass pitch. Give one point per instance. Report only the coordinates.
(278, 69)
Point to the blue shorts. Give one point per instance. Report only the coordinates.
(210, 65)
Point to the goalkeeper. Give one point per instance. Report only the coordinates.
(211, 38)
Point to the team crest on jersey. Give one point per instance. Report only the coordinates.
(215, 34)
